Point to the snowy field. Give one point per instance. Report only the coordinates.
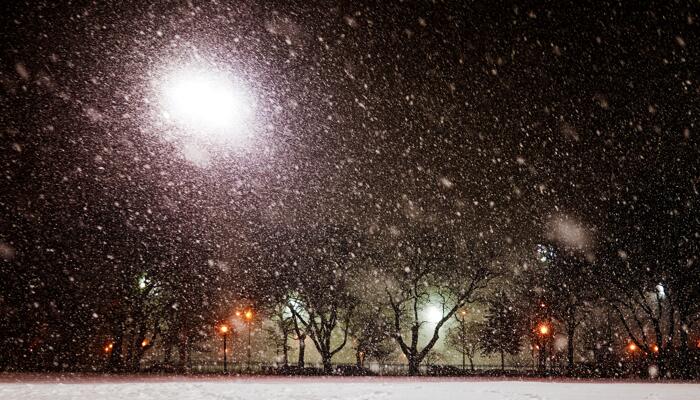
(23, 387)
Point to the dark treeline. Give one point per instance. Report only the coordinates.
(90, 276)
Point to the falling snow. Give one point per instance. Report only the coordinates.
(363, 188)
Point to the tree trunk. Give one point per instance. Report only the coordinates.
(116, 362)
(471, 364)
(570, 350)
(183, 353)
(684, 350)
(542, 361)
(413, 366)
(661, 363)
(503, 361)
(327, 366)
(285, 350)
(302, 349)
(167, 353)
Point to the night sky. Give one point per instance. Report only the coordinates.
(490, 119)
(493, 116)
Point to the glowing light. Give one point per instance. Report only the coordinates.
(223, 329)
(206, 102)
(145, 342)
(660, 290)
(143, 281)
(655, 348)
(543, 329)
(433, 314)
(248, 315)
(632, 347)
(109, 347)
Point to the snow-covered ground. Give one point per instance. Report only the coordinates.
(29, 388)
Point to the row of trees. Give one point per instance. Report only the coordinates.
(109, 278)
(629, 293)
(378, 292)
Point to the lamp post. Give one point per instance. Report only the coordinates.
(224, 332)
(543, 331)
(248, 316)
(462, 322)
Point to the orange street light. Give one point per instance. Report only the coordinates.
(632, 347)
(145, 342)
(248, 316)
(655, 348)
(109, 347)
(543, 329)
(223, 329)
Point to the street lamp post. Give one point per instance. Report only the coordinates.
(543, 331)
(248, 315)
(224, 332)
(462, 323)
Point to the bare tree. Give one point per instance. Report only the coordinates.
(279, 334)
(371, 333)
(430, 271)
(465, 338)
(323, 301)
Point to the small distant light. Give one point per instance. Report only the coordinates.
(145, 343)
(655, 348)
(632, 347)
(544, 329)
(248, 315)
(223, 329)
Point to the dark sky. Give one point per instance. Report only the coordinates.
(486, 117)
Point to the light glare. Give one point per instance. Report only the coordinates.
(206, 103)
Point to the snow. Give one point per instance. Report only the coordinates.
(339, 389)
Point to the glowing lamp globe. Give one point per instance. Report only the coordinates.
(433, 314)
(206, 103)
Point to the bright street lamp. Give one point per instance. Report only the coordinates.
(224, 329)
(206, 103)
(543, 330)
(248, 317)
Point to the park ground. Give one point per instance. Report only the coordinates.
(79, 387)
